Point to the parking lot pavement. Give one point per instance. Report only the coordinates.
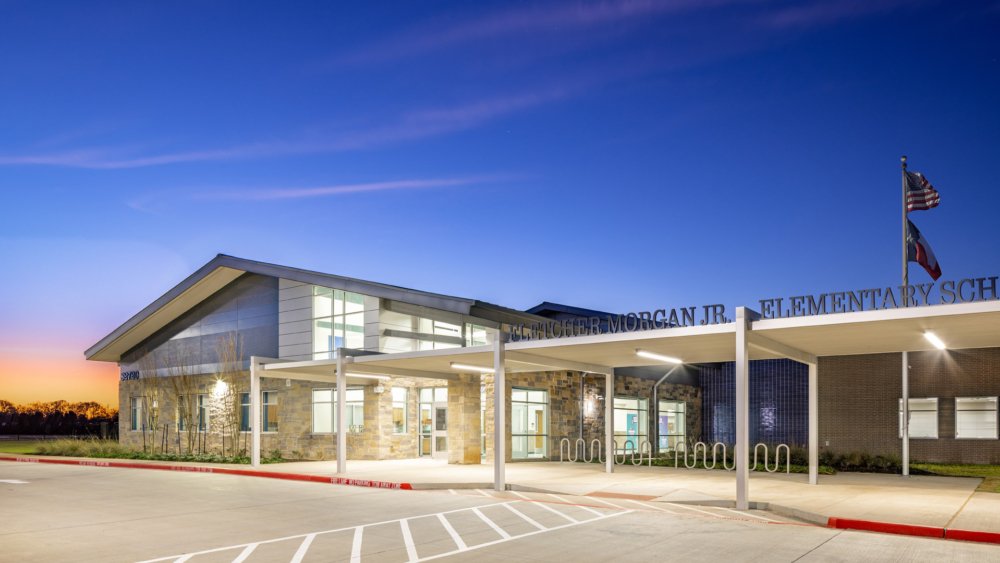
(63, 513)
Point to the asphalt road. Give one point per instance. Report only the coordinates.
(68, 513)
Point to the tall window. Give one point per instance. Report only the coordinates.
(671, 424)
(923, 418)
(976, 417)
(528, 423)
(201, 412)
(135, 412)
(631, 423)
(399, 396)
(269, 412)
(338, 321)
(324, 410)
(475, 335)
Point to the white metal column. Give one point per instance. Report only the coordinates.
(255, 417)
(341, 413)
(609, 421)
(742, 411)
(905, 422)
(813, 424)
(499, 415)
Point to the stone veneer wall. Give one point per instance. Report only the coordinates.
(295, 439)
(564, 405)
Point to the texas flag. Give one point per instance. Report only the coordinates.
(919, 250)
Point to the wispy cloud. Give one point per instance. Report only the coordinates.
(812, 14)
(560, 18)
(414, 125)
(289, 193)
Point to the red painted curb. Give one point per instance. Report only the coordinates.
(972, 535)
(886, 527)
(223, 470)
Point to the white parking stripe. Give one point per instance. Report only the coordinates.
(525, 497)
(13, 481)
(411, 550)
(652, 506)
(183, 558)
(356, 545)
(303, 548)
(453, 491)
(491, 523)
(484, 493)
(524, 516)
(451, 531)
(588, 509)
(747, 514)
(554, 511)
(245, 553)
(611, 504)
(559, 498)
(687, 507)
(495, 542)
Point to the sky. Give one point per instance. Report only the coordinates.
(617, 155)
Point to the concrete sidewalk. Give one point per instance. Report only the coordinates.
(940, 502)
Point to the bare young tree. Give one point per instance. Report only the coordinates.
(152, 393)
(229, 388)
(184, 385)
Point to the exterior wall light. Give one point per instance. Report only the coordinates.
(658, 357)
(933, 339)
(467, 367)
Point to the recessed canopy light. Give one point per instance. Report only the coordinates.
(467, 367)
(933, 339)
(658, 357)
(368, 375)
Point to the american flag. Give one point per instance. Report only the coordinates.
(920, 194)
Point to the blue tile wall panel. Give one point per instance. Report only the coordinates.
(779, 402)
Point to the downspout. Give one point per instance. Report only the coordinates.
(656, 408)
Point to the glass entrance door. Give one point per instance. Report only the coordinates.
(434, 422)
(440, 430)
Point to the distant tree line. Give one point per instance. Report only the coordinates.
(58, 418)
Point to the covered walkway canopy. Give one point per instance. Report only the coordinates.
(803, 339)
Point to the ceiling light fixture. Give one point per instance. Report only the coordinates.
(933, 339)
(658, 357)
(467, 367)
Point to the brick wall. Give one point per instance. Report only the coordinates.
(859, 402)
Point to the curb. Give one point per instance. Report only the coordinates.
(221, 470)
(914, 530)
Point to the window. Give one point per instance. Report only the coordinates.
(324, 410)
(269, 412)
(183, 412)
(976, 417)
(671, 421)
(630, 423)
(399, 396)
(528, 423)
(201, 412)
(245, 412)
(475, 335)
(338, 321)
(135, 412)
(923, 418)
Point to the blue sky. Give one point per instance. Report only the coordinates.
(616, 155)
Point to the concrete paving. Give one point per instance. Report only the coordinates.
(83, 513)
(919, 500)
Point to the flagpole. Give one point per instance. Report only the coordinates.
(905, 419)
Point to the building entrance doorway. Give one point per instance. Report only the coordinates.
(434, 422)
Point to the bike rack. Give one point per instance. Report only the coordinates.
(777, 458)
(646, 447)
(596, 443)
(566, 450)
